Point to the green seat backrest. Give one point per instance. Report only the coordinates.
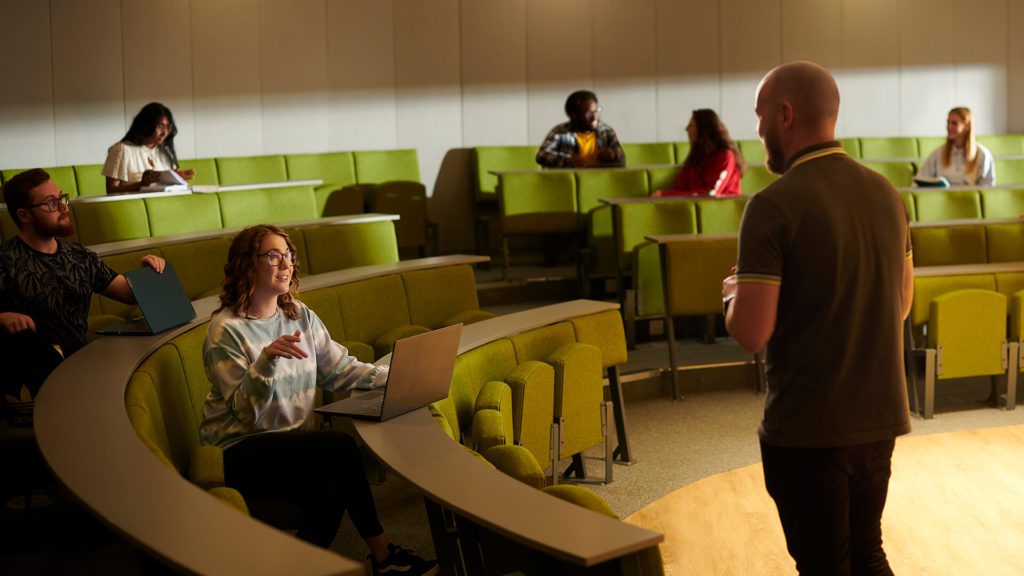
(1003, 144)
(649, 154)
(337, 168)
(487, 159)
(190, 351)
(635, 221)
(99, 222)
(439, 294)
(1005, 242)
(720, 215)
(167, 375)
(180, 214)
(949, 245)
(970, 327)
(267, 206)
(473, 369)
(349, 245)
(695, 272)
(662, 178)
(199, 264)
(594, 185)
(1010, 171)
(1008, 284)
(928, 144)
(90, 180)
(62, 176)
(206, 170)
(539, 343)
(142, 404)
(939, 205)
(1002, 202)
(910, 204)
(325, 303)
(888, 147)
(756, 178)
(901, 174)
(927, 288)
(682, 150)
(647, 280)
(371, 307)
(752, 151)
(375, 166)
(251, 170)
(408, 200)
(8, 229)
(538, 202)
(298, 238)
(605, 331)
(851, 145)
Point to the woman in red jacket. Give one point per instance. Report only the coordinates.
(714, 166)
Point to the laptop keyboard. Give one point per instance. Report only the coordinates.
(370, 408)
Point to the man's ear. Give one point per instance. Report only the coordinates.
(23, 216)
(787, 114)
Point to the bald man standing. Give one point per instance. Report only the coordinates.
(824, 278)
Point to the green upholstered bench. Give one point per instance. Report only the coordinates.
(649, 153)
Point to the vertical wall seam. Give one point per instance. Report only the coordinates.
(53, 86)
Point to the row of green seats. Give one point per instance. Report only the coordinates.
(165, 395)
(200, 263)
(336, 169)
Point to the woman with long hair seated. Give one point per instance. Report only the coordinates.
(265, 354)
(714, 165)
(145, 151)
(961, 160)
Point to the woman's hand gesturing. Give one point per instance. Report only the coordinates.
(285, 347)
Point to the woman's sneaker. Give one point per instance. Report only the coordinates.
(403, 562)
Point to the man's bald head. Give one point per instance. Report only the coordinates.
(809, 88)
(797, 106)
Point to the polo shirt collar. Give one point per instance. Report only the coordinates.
(815, 151)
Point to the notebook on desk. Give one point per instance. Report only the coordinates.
(162, 300)
(420, 373)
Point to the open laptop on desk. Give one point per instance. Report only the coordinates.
(420, 373)
(162, 300)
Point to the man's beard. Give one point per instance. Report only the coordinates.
(775, 159)
(61, 229)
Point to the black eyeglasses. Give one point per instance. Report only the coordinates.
(53, 203)
(274, 257)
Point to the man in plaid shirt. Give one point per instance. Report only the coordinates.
(584, 140)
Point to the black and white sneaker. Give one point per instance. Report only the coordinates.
(403, 562)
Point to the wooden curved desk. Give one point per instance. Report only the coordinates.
(84, 433)
(416, 448)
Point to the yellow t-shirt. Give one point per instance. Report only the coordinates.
(587, 142)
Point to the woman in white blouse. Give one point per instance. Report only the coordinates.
(961, 160)
(146, 150)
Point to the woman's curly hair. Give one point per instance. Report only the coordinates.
(239, 279)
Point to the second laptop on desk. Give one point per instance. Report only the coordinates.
(420, 373)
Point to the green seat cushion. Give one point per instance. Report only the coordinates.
(336, 247)
(756, 178)
(1005, 242)
(1002, 203)
(1010, 171)
(1003, 144)
(901, 174)
(970, 327)
(949, 245)
(514, 461)
(581, 496)
(635, 221)
(720, 215)
(649, 153)
(927, 288)
(338, 168)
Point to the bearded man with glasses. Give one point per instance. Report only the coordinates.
(46, 284)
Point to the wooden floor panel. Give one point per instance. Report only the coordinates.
(956, 506)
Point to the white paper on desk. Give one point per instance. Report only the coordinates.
(167, 181)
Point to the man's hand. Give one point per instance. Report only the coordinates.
(577, 161)
(285, 347)
(153, 261)
(14, 322)
(605, 155)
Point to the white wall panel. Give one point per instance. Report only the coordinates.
(869, 76)
(226, 78)
(494, 101)
(751, 46)
(981, 64)
(26, 100)
(88, 79)
(293, 72)
(926, 58)
(687, 64)
(158, 67)
(361, 74)
(559, 59)
(429, 104)
(625, 67)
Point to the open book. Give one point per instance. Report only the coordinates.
(168, 181)
(939, 182)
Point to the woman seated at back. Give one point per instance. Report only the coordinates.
(961, 160)
(145, 151)
(714, 165)
(265, 354)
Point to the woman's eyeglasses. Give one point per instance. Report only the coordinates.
(274, 257)
(53, 203)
